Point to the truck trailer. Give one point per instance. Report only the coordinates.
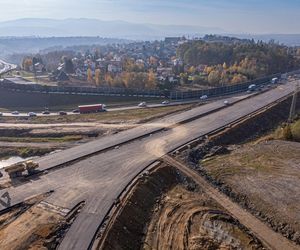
(95, 108)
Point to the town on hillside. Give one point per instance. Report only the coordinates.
(174, 63)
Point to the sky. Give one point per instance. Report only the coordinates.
(236, 16)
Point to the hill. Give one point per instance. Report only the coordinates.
(95, 27)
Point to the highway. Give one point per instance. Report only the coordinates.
(98, 178)
(124, 108)
(109, 109)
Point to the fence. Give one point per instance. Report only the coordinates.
(220, 90)
(7, 84)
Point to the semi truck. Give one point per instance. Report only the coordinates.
(94, 108)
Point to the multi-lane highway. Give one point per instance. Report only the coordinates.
(98, 172)
(124, 108)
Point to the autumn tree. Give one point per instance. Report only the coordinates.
(89, 75)
(97, 77)
(214, 77)
(26, 64)
(151, 83)
(109, 79)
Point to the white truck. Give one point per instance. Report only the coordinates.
(274, 80)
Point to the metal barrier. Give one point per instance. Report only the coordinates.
(221, 90)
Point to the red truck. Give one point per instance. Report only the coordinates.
(85, 109)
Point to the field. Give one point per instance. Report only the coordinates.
(27, 137)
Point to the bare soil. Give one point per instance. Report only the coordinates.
(190, 220)
(166, 210)
(29, 226)
(265, 178)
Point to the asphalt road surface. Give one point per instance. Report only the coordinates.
(123, 108)
(100, 179)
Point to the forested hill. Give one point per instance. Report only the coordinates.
(244, 59)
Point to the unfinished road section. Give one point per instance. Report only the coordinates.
(99, 177)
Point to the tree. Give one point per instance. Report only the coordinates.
(151, 83)
(214, 77)
(89, 75)
(238, 78)
(97, 77)
(109, 79)
(26, 64)
(69, 66)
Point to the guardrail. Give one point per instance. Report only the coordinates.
(221, 90)
(7, 84)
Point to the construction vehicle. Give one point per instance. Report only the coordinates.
(17, 170)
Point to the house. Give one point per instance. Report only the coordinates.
(164, 71)
(39, 68)
(114, 68)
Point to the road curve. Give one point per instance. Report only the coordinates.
(100, 178)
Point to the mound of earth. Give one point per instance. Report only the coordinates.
(190, 220)
(264, 177)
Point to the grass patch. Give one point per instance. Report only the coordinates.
(24, 152)
(288, 132)
(69, 138)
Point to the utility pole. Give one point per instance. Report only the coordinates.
(294, 102)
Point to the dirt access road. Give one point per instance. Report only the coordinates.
(270, 238)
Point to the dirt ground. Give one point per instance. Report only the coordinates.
(37, 136)
(30, 226)
(190, 220)
(166, 210)
(264, 177)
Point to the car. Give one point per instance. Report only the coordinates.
(15, 113)
(165, 102)
(1, 114)
(46, 112)
(75, 111)
(32, 114)
(62, 113)
(203, 97)
(226, 103)
(142, 105)
(252, 87)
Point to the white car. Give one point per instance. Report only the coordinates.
(15, 113)
(142, 105)
(204, 97)
(32, 114)
(1, 114)
(165, 102)
(226, 103)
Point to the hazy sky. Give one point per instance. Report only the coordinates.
(247, 16)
